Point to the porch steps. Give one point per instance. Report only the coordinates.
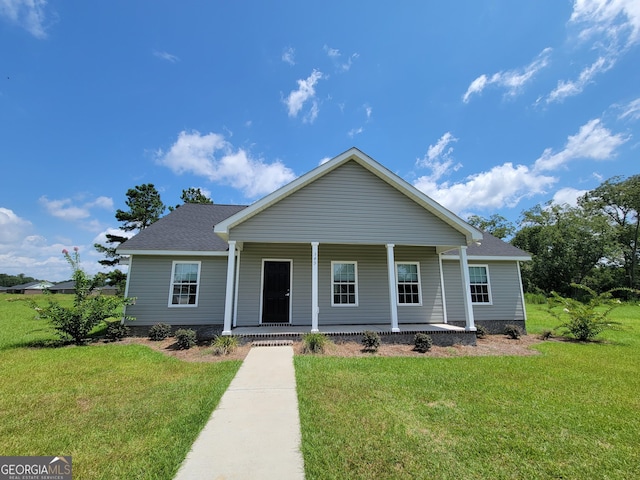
(272, 343)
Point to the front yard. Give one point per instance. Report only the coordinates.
(127, 411)
(120, 411)
(572, 412)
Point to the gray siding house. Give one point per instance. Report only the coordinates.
(347, 245)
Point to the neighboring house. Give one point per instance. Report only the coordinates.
(349, 245)
(3, 289)
(68, 287)
(31, 288)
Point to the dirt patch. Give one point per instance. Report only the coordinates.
(492, 345)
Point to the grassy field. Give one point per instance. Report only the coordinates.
(120, 411)
(572, 412)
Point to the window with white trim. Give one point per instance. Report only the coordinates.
(479, 284)
(185, 283)
(408, 280)
(344, 284)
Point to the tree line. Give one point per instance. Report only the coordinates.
(593, 243)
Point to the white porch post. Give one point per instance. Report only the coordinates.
(314, 287)
(228, 301)
(464, 274)
(393, 301)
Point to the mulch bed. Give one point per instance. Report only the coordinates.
(492, 345)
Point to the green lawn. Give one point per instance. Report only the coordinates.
(120, 411)
(572, 412)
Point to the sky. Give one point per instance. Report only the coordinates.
(489, 107)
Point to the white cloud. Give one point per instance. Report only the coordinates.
(439, 159)
(288, 56)
(306, 92)
(568, 196)
(368, 111)
(355, 131)
(12, 227)
(609, 27)
(335, 55)
(569, 88)
(212, 157)
(617, 21)
(503, 185)
(166, 56)
(593, 141)
(631, 110)
(511, 80)
(29, 14)
(65, 208)
(324, 160)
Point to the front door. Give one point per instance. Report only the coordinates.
(276, 291)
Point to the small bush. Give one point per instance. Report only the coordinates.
(159, 331)
(370, 341)
(546, 334)
(224, 345)
(314, 342)
(481, 331)
(512, 331)
(185, 338)
(535, 298)
(422, 342)
(116, 331)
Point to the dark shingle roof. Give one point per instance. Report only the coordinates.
(491, 246)
(188, 228)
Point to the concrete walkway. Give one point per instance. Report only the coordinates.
(255, 431)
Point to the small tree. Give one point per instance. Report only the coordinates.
(585, 320)
(87, 311)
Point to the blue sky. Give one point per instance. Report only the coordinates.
(486, 106)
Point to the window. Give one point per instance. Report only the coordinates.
(344, 282)
(185, 278)
(408, 278)
(479, 282)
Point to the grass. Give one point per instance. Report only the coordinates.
(571, 412)
(120, 411)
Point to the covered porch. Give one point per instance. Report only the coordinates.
(442, 334)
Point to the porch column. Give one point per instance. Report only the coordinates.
(228, 301)
(466, 290)
(314, 287)
(393, 301)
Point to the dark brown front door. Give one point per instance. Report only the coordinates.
(275, 291)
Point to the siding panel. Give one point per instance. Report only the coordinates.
(505, 292)
(150, 278)
(348, 205)
(373, 306)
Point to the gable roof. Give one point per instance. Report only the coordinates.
(186, 230)
(353, 154)
(490, 248)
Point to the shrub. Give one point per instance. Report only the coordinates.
(87, 312)
(185, 338)
(546, 334)
(370, 341)
(584, 321)
(159, 331)
(422, 342)
(224, 345)
(512, 331)
(116, 331)
(481, 331)
(314, 342)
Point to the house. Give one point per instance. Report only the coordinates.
(30, 288)
(68, 287)
(346, 247)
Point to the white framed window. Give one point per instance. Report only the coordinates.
(479, 284)
(185, 284)
(344, 284)
(408, 283)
